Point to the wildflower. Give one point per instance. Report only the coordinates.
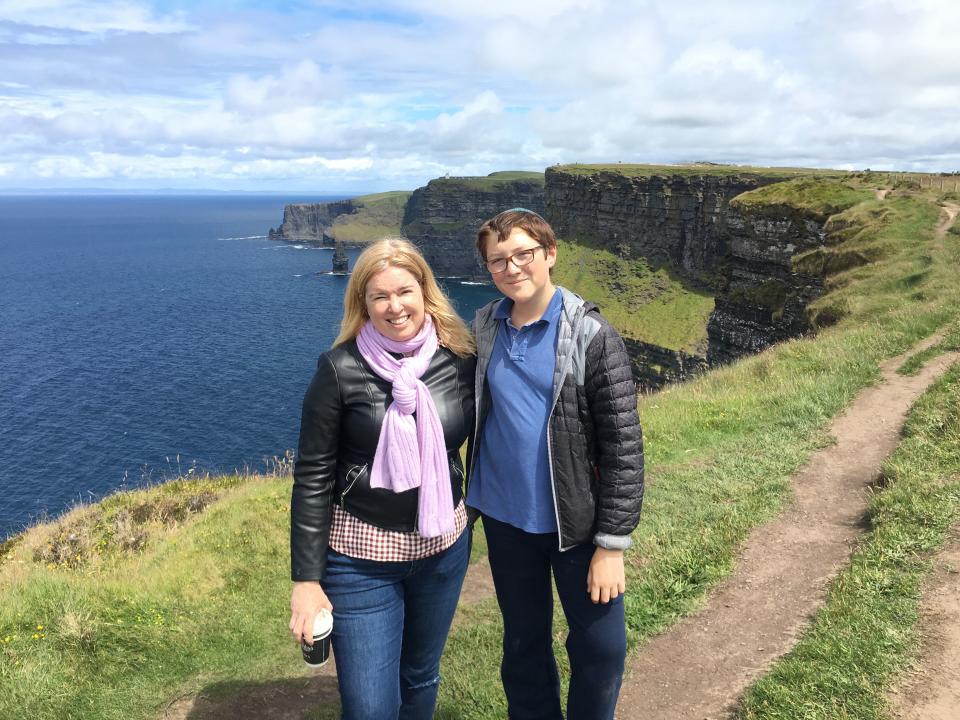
(39, 627)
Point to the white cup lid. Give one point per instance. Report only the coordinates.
(323, 623)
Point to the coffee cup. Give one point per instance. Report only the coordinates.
(317, 654)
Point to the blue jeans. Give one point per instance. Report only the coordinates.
(390, 623)
(521, 565)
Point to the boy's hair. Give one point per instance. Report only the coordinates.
(500, 226)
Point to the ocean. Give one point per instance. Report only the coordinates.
(145, 337)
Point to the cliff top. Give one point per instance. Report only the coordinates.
(376, 198)
(378, 216)
(486, 183)
(692, 170)
(818, 197)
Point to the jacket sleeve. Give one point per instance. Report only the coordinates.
(314, 474)
(612, 398)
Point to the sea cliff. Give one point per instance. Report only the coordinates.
(351, 222)
(727, 232)
(442, 217)
(668, 218)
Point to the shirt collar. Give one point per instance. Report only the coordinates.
(550, 315)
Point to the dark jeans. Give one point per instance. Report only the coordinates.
(390, 622)
(521, 564)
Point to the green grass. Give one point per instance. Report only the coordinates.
(950, 342)
(129, 628)
(487, 183)
(643, 304)
(378, 216)
(819, 197)
(865, 636)
(117, 634)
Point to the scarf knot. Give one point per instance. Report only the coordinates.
(411, 451)
(405, 387)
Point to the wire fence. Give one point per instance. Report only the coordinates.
(944, 182)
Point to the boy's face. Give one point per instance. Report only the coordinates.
(529, 283)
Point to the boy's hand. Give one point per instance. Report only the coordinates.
(605, 579)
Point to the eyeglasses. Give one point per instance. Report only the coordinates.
(519, 259)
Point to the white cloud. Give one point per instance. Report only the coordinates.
(91, 17)
(393, 93)
(304, 83)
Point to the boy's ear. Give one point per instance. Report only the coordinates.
(551, 256)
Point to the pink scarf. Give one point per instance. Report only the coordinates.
(411, 452)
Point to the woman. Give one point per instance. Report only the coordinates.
(377, 514)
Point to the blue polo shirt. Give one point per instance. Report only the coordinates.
(511, 480)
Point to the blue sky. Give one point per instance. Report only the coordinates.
(354, 96)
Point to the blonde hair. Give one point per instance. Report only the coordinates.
(399, 252)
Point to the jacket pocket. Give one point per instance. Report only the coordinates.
(350, 479)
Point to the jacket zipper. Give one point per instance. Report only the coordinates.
(578, 315)
(350, 483)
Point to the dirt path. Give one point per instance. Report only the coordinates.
(881, 193)
(951, 210)
(699, 668)
(932, 692)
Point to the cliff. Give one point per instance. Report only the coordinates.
(765, 292)
(654, 366)
(311, 222)
(695, 265)
(353, 222)
(667, 216)
(735, 233)
(442, 218)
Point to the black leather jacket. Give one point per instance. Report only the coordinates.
(342, 413)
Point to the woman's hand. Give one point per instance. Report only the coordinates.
(605, 579)
(306, 600)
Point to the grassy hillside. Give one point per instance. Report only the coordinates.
(379, 216)
(817, 196)
(643, 304)
(131, 621)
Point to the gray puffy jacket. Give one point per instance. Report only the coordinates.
(595, 445)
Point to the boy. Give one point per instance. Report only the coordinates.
(556, 473)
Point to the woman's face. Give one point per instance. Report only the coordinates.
(394, 302)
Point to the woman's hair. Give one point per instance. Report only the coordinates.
(500, 226)
(401, 253)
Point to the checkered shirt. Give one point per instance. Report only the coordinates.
(349, 535)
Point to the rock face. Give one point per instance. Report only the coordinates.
(762, 300)
(443, 217)
(310, 222)
(655, 366)
(687, 222)
(340, 263)
(675, 220)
